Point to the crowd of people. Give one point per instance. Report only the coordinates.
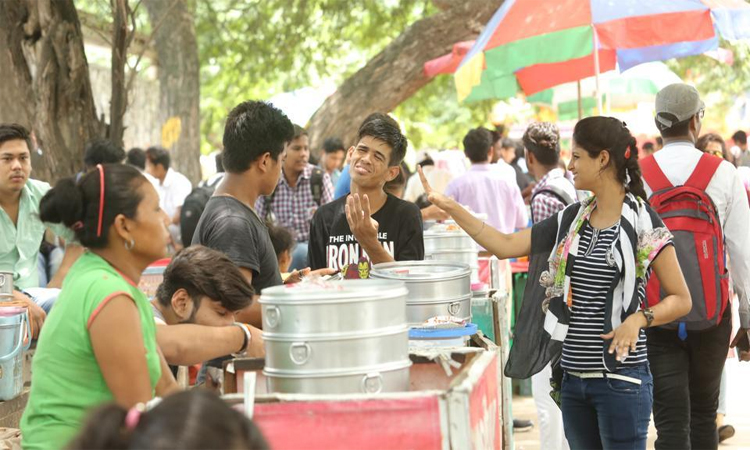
(609, 322)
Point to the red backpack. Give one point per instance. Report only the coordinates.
(691, 216)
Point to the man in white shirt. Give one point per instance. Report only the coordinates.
(136, 157)
(687, 366)
(740, 151)
(437, 177)
(173, 188)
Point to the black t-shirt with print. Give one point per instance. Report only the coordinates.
(229, 226)
(333, 245)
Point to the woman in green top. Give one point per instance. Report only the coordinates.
(99, 341)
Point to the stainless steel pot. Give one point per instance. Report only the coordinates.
(349, 305)
(436, 288)
(393, 377)
(468, 257)
(453, 245)
(337, 351)
(448, 240)
(428, 281)
(6, 283)
(336, 338)
(417, 313)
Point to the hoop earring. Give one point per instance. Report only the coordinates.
(129, 244)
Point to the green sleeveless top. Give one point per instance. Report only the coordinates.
(66, 381)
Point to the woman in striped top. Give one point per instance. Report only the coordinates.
(597, 256)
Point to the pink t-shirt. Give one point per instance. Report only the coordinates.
(487, 189)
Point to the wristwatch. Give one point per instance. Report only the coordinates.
(648, 313)
(246, 342)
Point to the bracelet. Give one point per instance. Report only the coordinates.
(246, 341)
(478, 232)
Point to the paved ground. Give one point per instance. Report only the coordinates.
(738, 412)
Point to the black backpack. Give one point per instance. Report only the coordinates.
(316, 187)
(192, 209)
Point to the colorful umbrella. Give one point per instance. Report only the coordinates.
(532, 45)
(623, 91)
(448, 63)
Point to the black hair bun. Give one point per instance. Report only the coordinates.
(62, 204)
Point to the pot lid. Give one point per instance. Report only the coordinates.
(342, 290)
(421, 270)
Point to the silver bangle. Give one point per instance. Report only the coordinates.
(248, 337)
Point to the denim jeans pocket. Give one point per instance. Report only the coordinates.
(623, 387)
(640, 373)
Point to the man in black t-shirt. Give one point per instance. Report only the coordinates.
(368, 222)
(255, 136)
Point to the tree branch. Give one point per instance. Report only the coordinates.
(397, 72)
(134, 69)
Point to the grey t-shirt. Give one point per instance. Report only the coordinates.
(229, 226)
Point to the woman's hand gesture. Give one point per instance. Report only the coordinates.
(436, 198)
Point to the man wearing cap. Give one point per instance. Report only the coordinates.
(687, 365)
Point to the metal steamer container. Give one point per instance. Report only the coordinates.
(6, 286)
(436, 288)
(452, 245)
(337, 338)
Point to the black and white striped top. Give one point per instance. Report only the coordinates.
(590, 280)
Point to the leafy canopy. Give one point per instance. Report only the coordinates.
(260, 48)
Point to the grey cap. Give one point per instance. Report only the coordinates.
(677, 103)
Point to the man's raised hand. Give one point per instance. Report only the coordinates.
(363, 226)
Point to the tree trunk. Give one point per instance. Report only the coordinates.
(121, 38)
(179, 79)
(46, 82)
(396, 73)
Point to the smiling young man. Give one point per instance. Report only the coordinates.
(21, 230)
(368, 222)
(302, 188)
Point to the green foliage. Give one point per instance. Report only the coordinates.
(433, 118)
(719, 83)
(259, 48)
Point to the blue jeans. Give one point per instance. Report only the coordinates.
(601, 413)
(299, 257)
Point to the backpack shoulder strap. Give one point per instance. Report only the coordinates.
(556, 191)
(215, 182)
(653, 174)
(316, 184)
(704, 171)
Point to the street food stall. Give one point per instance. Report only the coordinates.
(453, 401)
(389, 362)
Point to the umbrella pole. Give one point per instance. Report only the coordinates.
(596, 70)
(580, 102)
